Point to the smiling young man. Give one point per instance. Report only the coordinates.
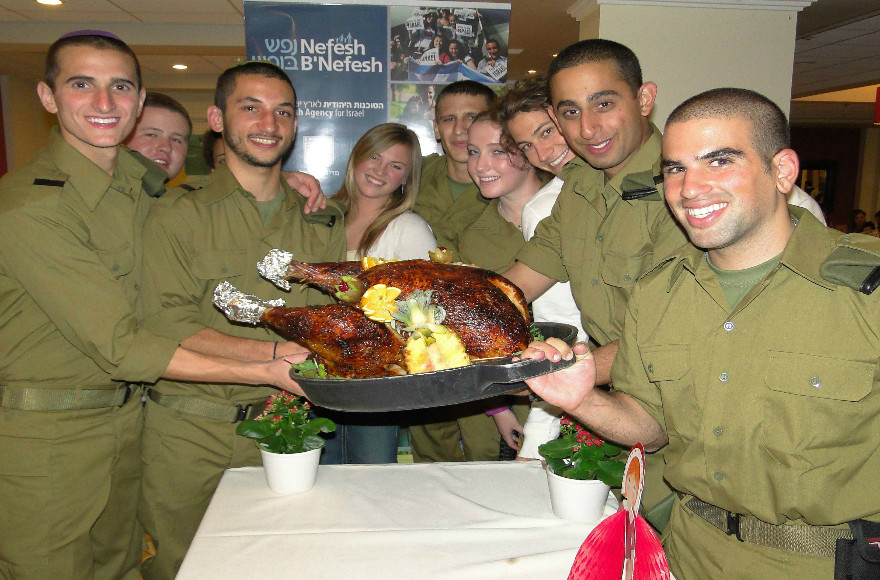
(162, 133)
(609, 224)
(195, 240)
(70, 253)
(449, 201)
(767, 416)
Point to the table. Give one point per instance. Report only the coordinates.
(428, 520)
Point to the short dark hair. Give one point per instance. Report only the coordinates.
(95, 41)
(228, 79)
(163, 101)
(597, 50)
(209, 141)
(491, 40)
(468, 87)
(770, 129)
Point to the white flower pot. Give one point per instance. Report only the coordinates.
(288, 473)
(581, 500)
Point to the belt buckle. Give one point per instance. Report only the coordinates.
(733, 526)
(242, 412)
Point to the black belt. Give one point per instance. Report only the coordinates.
(800, 538)
(228, 412)
(38, 399)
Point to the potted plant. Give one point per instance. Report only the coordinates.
(287, 435)
(580, 472)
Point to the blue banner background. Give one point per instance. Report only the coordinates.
(337, 59)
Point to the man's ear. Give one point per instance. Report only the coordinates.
(215, 118)
(436, 131)
(786, 170)
(47, 97)
(552, 112)
(646, 95)
(142, 94)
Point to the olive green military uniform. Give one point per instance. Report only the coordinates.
(448, 217)
(601, 237)
(490, 242)
(196, 240)
(772, 408)
(69, 427)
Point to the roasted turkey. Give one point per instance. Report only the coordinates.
(487, 311)
(347, 342)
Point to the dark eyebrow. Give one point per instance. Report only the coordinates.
(566, 103)
(598, 95)
(668, 163)
(723, 152)
(80, 78)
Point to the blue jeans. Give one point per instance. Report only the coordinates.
(360, 444)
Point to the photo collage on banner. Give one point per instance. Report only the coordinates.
(357, 65)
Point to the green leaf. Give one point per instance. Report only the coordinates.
(558, 448)
(319, 425)
(590, 453)
(313, 442)
(557, 466)
(584, 470)
(254, 429)
(610, 450)
(611, 472)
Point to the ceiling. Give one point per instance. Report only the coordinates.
(837, 47)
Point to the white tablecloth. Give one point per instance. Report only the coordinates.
(440, 520)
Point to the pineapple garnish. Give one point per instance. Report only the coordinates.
(431, 346)
(417, 311)
(433, 349)
(378, 302)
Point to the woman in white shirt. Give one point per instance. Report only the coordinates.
(378, 192)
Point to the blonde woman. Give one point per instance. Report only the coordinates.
(378, 191)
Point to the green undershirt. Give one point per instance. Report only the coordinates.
(270, 208)
(737, 283)
(456, 188)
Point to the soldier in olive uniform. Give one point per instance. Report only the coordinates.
(449, 201)
(70, 250)
(609, 224)
(195, 240)
(769, 418)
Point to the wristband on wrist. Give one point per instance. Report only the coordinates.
(275, 350)
(493, 412)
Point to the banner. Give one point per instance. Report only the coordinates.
(356, 65)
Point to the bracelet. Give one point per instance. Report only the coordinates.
(493, 412)
(274, 350)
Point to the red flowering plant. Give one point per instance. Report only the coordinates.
(578, 454)
(286, 426)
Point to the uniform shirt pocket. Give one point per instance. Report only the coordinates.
(119, 261)
(622, 271)
(220, 264)
(668, 367)
(809, 399)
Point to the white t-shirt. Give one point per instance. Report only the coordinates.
(556, 304)
(407, 237)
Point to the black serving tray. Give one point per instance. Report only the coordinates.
(435, 389)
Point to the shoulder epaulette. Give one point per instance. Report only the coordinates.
(328, 216)
(155, 177)
(188, 187)
(642, 185)
(854, 263)
(50, 182)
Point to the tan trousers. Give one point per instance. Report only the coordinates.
(68, 493)
(183, 459)
(480, 439)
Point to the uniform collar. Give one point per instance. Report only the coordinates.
(223, 184)
(90, 181)
(804, 253)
